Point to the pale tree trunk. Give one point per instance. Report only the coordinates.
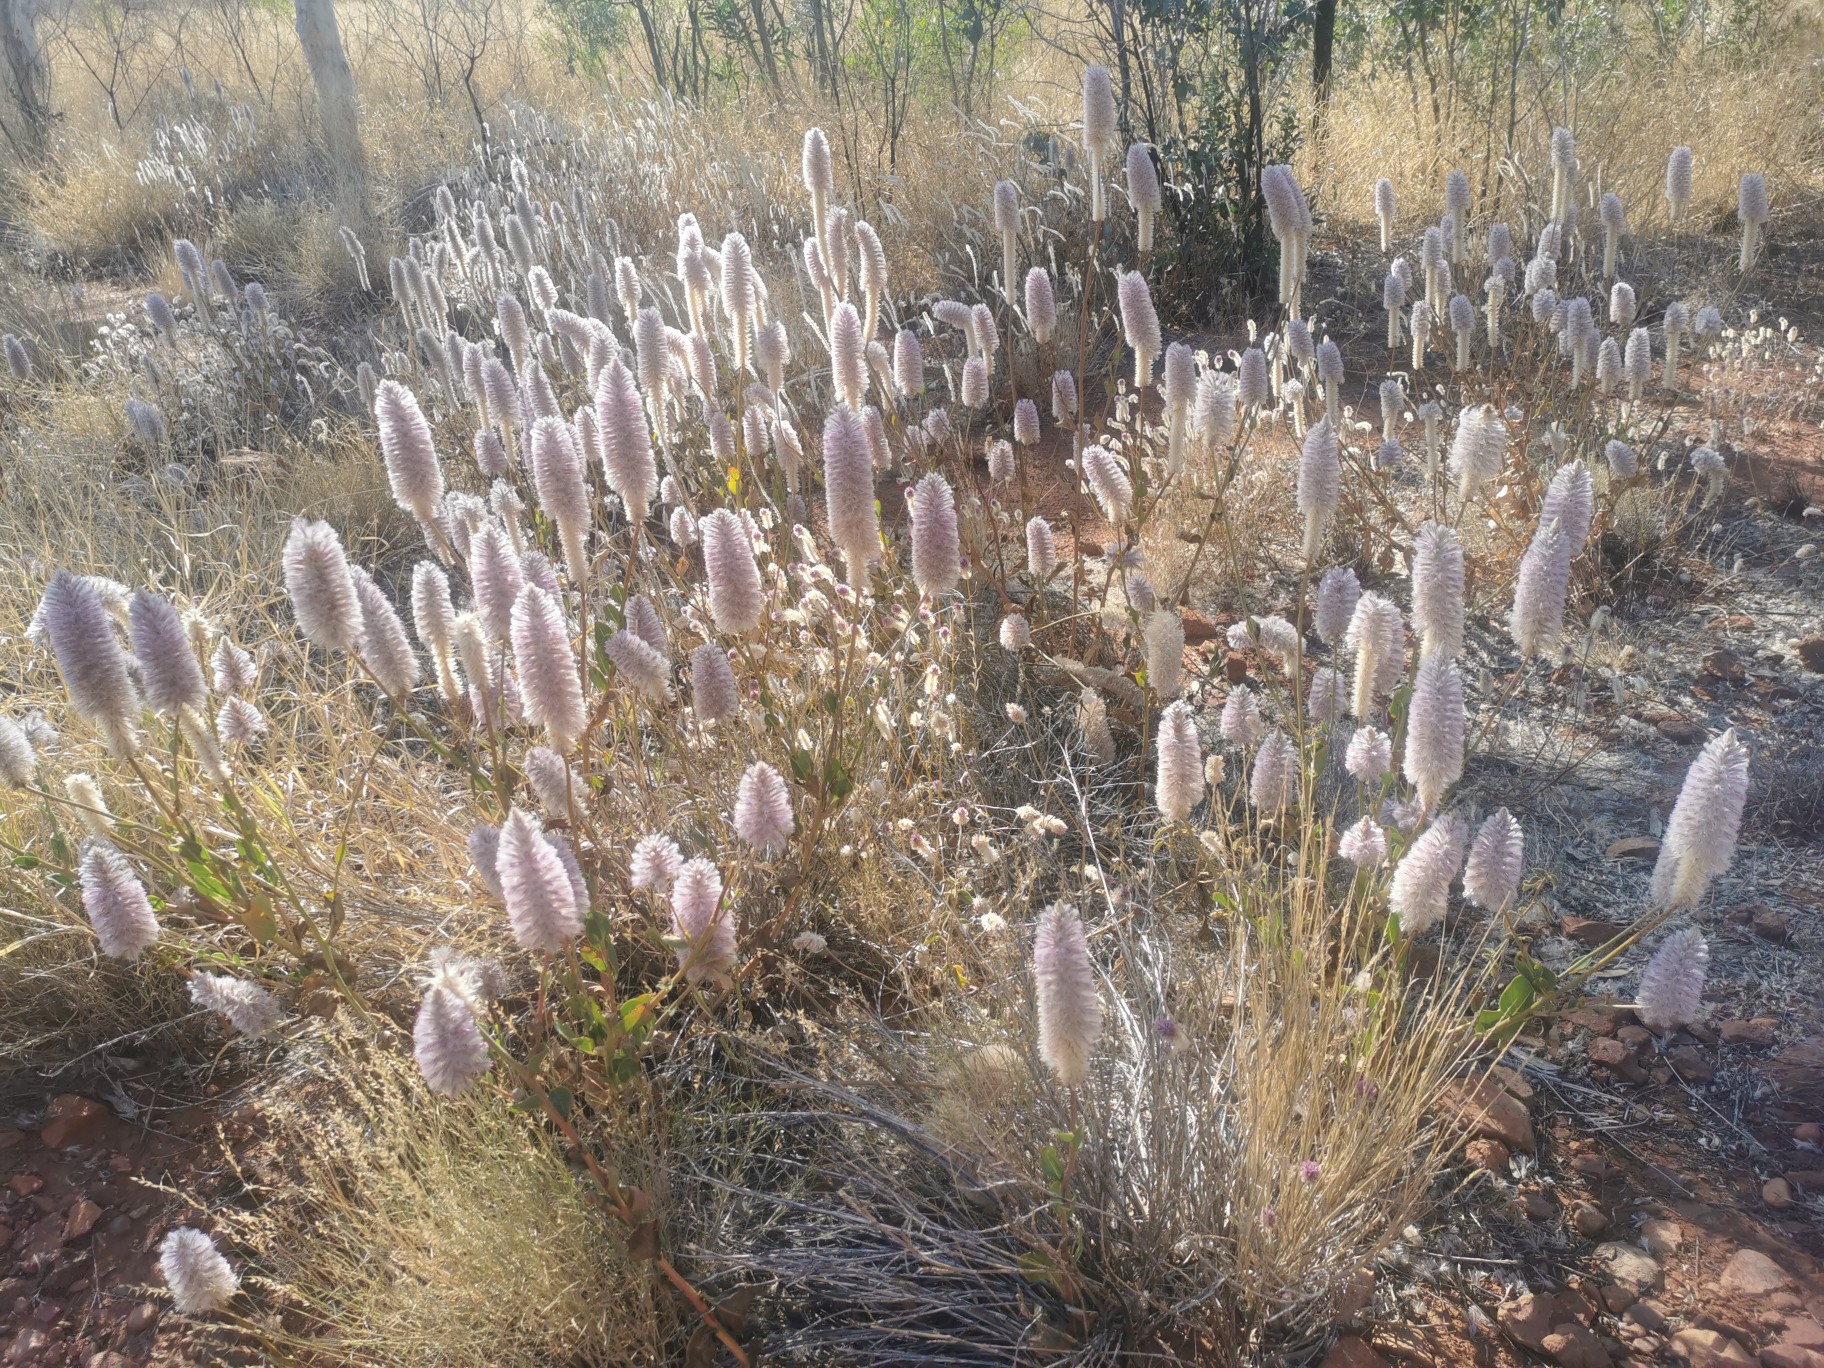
(336, 104)
(28, 79)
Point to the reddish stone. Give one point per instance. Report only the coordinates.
(1618, 1059)
(1587, 932)
(1490, 1112)
(25, 1184)
(1488, 1155)
(81, 1220)
(1791, 1356)
(1756, 1033)
(1352, 1352)
(1693, 1064)
(1197, 627)
(71, 1120)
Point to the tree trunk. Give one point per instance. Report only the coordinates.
(28, 79)
(336, 104)
(1323, 48)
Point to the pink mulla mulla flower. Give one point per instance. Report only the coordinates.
(1319, 483)
(1041, 549)
(1164, 637)
(654, 862)
(1041, 304)
(1671, 992)
(712, 684)
(200, 1279)
(1377, 638)
(249, 1008)
(1706, 822)
(551, 691)
(1497, 859)
(1114, 493)
(628, 463)
(1139, 324)
(116, 903)
(908, 364)
(1370, 755)
(848, 356)
(75, 618)
(484, 855)
(1420, 894)
(1437, 590)
(736, 597)
(1242, 724)
(497, 576)
(168, 671)
(848, 485)
(556, 783)
(557, 478)
(1179, 784)
(1213, 411)
(1063, 396)
(936, 549)
(1070, 1008)
(410, 455)
(1015, 632)
(772, 350)
(1434, 730)
(1273, 781)
(1337, 594)
(1026, 422)
(540, 897)
(1570, 501)
(239, 722)
(233, 670)
(321, 589)
(1364, 844)
(1537, 619)
(447, 1043)
(763, 809)
(639, 665)
(1324, 696)
(384, 647)
(1253, 389)
(434, 621)
(18, 761)
(702, 923)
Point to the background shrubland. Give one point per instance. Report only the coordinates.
(843, 911)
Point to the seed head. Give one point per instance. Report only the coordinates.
(116, 903)
(908, 364)
(541, 900)
(250, 1009)
(627, 459)
(702, 923)
(1242, 724)
(199, 1277)
(1364, 845)
(384, 647)
(1140, 324)
(321, 589)
(1273, 782)
(1434, 730)
(1179, 786)
(763, 809)
(1143, 179)
(1253, 390)
(1420, 895)
(1041, 549)
(848, 356)
(1098, 110)
(1041, 304)
(1537, 619)
(167, 666)
(1070, 1008)
(1706, 820)
(1497, 858)
(412, 467)
(1752, 205)
(848, 487)
(1671, 990)
(1109, 483)
(643, 668)
(654, 863)
(447, 1042)
(1437, 590)
(1337, 594)
(1370, 755)
(712, 684)
(552, 693)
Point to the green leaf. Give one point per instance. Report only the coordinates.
(1052, 1163)
(26, 862)
(804, 764)
(560, 1101)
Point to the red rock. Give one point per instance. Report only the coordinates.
(1803, 1331)
(1709, 1349)
(81, 1220)
(27, 1345)
(1772, 926)
(71, 1120)
(1681, 731)
(1757, 1033)
(1732, 622)
(1529, 1319)
(142, 1318)
(1573, 1346)
(1662, 1238)
(1633, 848)
(1600, 1021)
(1777, 1193)
(1590, 1220)
(1235, 667)
(1488, 1155)
(1752, 1274)
(1634, 1037)
(1806, 1180)
(1618, 1059)
(25, 1184)
(1592, 1166)
(1351, 1352)
(1726, 666)
(1811, 1133)
(1791, 1356)
(1490, 1112)
(1587, 932)
(1197, 627)
(1693, 1064)
(1811, 654)
(1513, 1081)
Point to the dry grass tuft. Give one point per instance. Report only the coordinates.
(403, 1228)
